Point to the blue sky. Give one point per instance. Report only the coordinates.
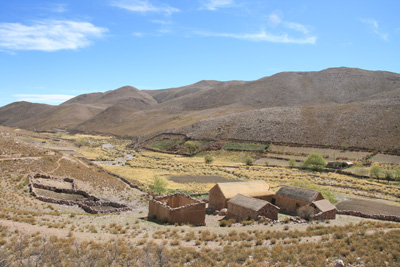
(53, 50)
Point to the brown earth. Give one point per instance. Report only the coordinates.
(328, 107)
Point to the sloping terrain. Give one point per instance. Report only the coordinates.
(164, 95)
(126, 96)
(330, 107)
(370, 124)
(12, 114)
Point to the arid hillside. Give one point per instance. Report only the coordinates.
(330, 107)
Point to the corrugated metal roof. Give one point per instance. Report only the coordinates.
(298, 193)
(250, 189)
(249, 202)
(324, 205)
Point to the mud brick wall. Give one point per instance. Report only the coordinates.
(193, 213)
(288, 204)
(240, 213)
(177, 208)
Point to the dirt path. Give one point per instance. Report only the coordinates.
(22, 158)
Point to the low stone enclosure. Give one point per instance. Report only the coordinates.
(178, 208)
(87, 202)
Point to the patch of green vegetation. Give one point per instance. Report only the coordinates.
(314, 162)
(245, 146)
(166, 144)
(327, 194)
(159, 185)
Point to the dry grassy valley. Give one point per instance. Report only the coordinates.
(36, 233)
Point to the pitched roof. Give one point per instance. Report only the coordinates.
(250, 189)
(298, 193)
(249, 202)
(324, 205)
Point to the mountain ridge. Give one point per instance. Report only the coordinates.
(320, 96)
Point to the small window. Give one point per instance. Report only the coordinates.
(273, 201)
(297, 206)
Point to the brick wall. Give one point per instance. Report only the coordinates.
(167, 209)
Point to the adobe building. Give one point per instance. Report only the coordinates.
(177, 208)
(221, 193)
(324, 210)
(242, 207)
(291, 198)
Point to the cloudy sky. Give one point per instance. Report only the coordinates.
(53, 50)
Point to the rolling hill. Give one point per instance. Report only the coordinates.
(330, 107)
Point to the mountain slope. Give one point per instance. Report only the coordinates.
(337, 85)
(328, 107)
(127, 96)
(369, 124)
(14, 113)
(165, 95)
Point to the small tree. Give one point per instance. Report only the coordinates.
(192, 146)
(344, 146)
(397, 174)
(315, 162)
(389, 176)
(159, 185)
(266, 163)
(249, 161)
(375, 172)
(208, 159)
(292, 163)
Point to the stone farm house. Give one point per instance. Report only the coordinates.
(177, 208)
(323, 210)
(242, 208)
(221, 193)
(290, 198)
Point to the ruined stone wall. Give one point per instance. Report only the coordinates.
(88, 206)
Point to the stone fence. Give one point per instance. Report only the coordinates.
(86, 205)
(382, 217)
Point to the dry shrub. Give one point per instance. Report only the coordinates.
(306, 212)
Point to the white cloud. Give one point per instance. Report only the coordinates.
(52, 99)
(48, 35)
(274, 19)
(58, 8)
(374, 26)
(215, 4)
(264, 36)
(297, 27)
(137, 34)
(144, 6)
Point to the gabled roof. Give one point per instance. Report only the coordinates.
(324, 205)
(249, 202)
(250, 189)
(298, 193)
